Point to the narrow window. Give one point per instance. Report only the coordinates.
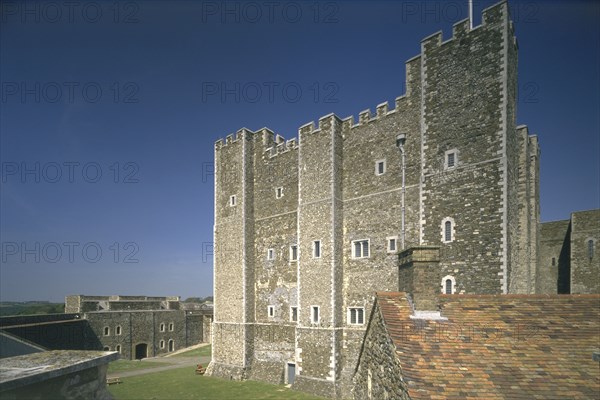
(271, 311)
(162, 344)
(553, 261)
(317, 249)
(106, 331)
(232, 201)
(162, 327)
(356, 316)
(294, 252)
(590, 244)
(380, 167)
(360, 248)
(315, 317)
(118, 348)
(448, 285)
(294, 314)
(118, 330)
(450, 160)
(171, 326)
(270, 254)
(279, 192)
(447, 231)
(392, 244)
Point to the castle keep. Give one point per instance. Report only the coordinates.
(307, 230)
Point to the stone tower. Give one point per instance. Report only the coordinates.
(307, 231)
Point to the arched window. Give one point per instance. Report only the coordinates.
(448, 285)
(590, 245)
(106, 331)
(118, 330)
(448, 228)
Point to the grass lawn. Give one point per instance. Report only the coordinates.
(183, 383)
(199, 352)
(130, 365)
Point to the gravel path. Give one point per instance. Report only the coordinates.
(178, 362)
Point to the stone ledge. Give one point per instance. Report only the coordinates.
(16, 372)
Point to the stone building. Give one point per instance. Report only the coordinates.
(569, 261)
(307, 230)
(141, 326)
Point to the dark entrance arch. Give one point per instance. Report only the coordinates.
(141, 351)
(171, 345)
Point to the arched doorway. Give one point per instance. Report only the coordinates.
(171, 345)
(141, 351)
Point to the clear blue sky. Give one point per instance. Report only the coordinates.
(109, 116)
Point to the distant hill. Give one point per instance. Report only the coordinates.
(30, 307)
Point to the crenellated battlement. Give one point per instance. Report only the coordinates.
(282, 147)
(232, 138)
(492, 14)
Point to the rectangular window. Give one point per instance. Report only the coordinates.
(294, 314)
(294, 252)
(270, 254)
(451, 160)
(317, 249)
(279, 192)
(314, 315)
(356, 316)
(271, 311)
(360, 248)
(380, 167)
(232, 201)
(392, 244)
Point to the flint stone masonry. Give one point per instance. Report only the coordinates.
(568, 255)
(461, 99)
(56, 374)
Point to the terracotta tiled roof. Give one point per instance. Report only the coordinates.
(498, 346)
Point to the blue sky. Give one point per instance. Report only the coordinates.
(109, 114)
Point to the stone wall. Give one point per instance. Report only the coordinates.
(553, 256)
(67, 375)
(157, 329)
(585, 262)
(60, 335)
(378, 373)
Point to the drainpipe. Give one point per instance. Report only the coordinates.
(400, 139)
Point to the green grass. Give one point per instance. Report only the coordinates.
(131, 365)
(199, 352)
(183, 383)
